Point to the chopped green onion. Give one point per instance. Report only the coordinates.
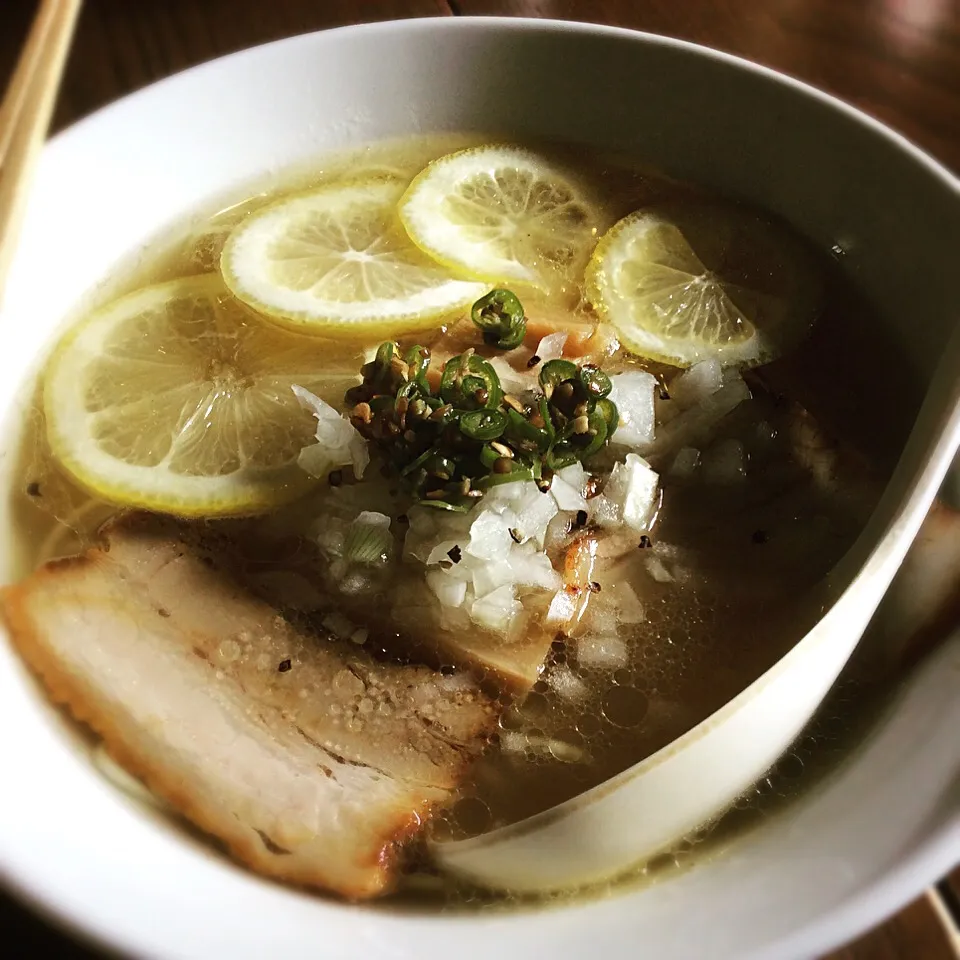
(457, 506)
(368, 539)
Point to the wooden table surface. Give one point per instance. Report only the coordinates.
(896, 59)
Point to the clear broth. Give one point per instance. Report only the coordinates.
(754, 556)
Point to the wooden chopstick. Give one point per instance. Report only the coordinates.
(26, 111)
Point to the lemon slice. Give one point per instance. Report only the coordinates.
(686, 282)
(500, 214)
(176, 399)
(335, 261)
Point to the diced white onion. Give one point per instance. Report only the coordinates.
(607, 652)
(489, 536)
(566, 495)
(488, 577)
(605, 512)
(685, 463)
(512, 381)
(694, 425)
(657, 569)
(497, 610)
(632, 487)
(448, 590)
(551, 346)
(441, 552)
(563, 608)
(567, 684)
(558, 531)
(724, 463)
(576, 476)
(634, 394)
(618, 592)
(693, 386)
(530, 568)
(338, 442)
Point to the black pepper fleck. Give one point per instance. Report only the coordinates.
(645, 542)
(532, 362)
(455, 554)
(285, 665)
(594, 586)
(581, 518)
(33, 489)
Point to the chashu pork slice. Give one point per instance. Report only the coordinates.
(306, 757)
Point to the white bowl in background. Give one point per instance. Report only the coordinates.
(835, 861)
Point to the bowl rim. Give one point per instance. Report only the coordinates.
(931, 857)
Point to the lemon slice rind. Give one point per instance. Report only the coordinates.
(248, 490)
(287, 259)
(470, 249)
(676, 282)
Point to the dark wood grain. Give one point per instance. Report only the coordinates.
(897, 59)
(122, 45)
(915, 933)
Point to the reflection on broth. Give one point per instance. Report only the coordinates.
(661, 539)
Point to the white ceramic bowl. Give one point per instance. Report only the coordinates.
(837, 860)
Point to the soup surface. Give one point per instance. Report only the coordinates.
(677, 559)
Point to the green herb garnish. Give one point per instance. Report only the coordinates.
(450, 444)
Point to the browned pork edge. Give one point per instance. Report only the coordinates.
(82, 700)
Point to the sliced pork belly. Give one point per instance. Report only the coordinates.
(306, 757)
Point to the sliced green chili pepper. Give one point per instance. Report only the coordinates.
(598, 424)
(421, 461)
(544, 407)
(554, 372)
(418, 360)
(440, 466)
(483, 424)
(517, 472)
(596, 382)
(560, 457)
(611, 415)
(463, 377)
(499, 315)
(489, 456)
(522, 429)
